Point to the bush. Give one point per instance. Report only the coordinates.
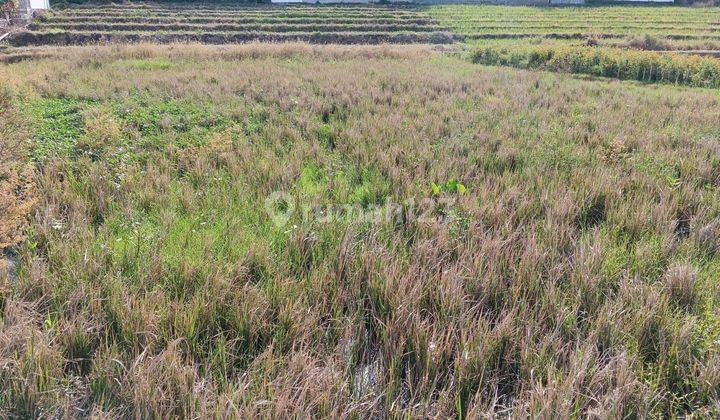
(647, 43)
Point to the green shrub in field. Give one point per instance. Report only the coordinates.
(643, 66)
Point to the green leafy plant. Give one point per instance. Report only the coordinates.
(452, 186)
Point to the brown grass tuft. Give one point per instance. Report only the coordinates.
(680, 280)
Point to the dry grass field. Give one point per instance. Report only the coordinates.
(354, 231)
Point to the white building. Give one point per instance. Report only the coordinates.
(26, 7)
(320, 1)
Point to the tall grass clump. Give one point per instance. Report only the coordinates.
(644, 66)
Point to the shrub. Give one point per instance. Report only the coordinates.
(647, 42)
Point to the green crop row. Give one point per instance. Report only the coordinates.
(235, 19)
(587, 29)
(519, 28)
(642, 66)
(60, 37)
(591, 29)
(269, 12)
(242, 7)
(279, 27)
(609, 11)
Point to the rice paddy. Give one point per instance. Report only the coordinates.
(675, 28)
(489, 22)
(233, 24)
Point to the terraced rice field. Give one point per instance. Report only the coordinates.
(682, 28)
(493, 22)
(228, 24)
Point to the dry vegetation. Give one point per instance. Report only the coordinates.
(574, 275)
(231, 52)
(15, 178)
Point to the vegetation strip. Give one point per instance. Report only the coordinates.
(644, 66)
(364, 37)
(486, 22)
(244, 28)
